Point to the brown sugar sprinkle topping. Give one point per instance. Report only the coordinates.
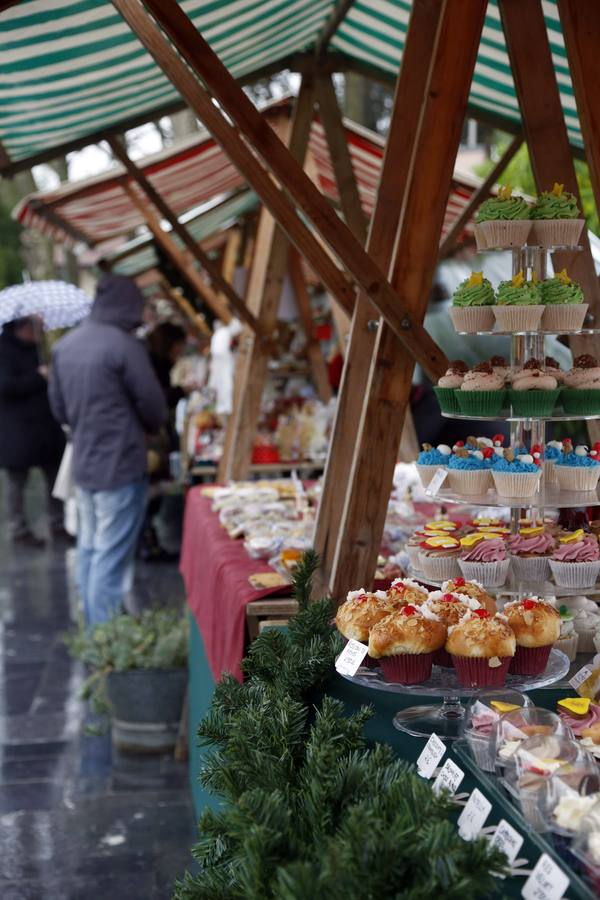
(585, 361)
(458, 367)
(498, 361)
(551, 363)
(483, 367)
(532, 364)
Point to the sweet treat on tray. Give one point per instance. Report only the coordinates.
(405, 591)
(482, 392)
(501, 368)
(483, 712)
(530, 552)
(565, 308)
(515, 476)
(481, 647)
(502, 221)
(472, 302)
(534, 390)
(469, 471)
(537, 760)
(445, 525)
(577, 469)
(484, 558)
(471, 589)
(575, 562)
(518, 304)
(448, 384)
(552, 365)
(449, 609)
(536, 625)
(404, 643)
(361, 610)
(438, 557)
(430, 459)
(568, 638)
(552, 452)
(586, 622)
(556, 219)
(581, 393)
(413, 547)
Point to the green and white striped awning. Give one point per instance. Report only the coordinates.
(70, 69)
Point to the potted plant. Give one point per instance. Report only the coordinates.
(139, 676)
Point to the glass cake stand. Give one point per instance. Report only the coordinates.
(446, 720)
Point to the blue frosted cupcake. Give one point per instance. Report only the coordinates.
(430, 459)
(469, 472)
(552, 452)
(578, 469)
(515, 476)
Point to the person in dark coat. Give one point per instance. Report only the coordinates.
(31, 437)
(103, 386)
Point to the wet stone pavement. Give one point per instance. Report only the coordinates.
(77, 820)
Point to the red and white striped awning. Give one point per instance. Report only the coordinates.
(195, 171)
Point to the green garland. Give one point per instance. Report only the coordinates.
(309, 811)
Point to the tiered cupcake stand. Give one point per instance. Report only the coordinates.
(445, 720)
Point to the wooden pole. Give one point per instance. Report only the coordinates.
(548, 142)
(316, 362)
(478, 196)
(183, 305)
(247, 128)
(421, 222)
(229, 297)
(411, 88)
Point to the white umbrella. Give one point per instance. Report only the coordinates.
(58, 303)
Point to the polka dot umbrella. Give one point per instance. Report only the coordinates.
(58, 303)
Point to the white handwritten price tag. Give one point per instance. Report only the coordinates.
(430, 756)
(436, 482)
(546, 882)
(581, 676)
(473, 816)
(507, 839)
(349, 660)
(449, 778)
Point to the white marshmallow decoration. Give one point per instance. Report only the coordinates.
(487, 442)
(498, 450)
(525, 458)
(581, 450)
(445, 449)
(477, 454)
(556, 445)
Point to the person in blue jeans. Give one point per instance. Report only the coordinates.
(102, 385)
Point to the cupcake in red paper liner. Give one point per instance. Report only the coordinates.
(405, 591)
(438, 557)
(473, 590)
(536, 626)
(404, 644)
(448, 608)
(360, 611)
(484, 558)
(575, 562)
(481, 647)
(530, 552)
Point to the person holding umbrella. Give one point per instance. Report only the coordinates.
(31, 437)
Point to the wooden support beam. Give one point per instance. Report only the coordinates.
(265, 282)
(411, 88)
(177, 257)
(269, 159)
(229, 297)
(196, 321)
(478, 196)
(547, 139)
(76, 234)
(316, 362)
(339, 13)
(421, 222)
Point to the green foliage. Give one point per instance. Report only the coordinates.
(519, 175)
(158, 639)
(309, 810)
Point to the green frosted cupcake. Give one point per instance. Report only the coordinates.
(502, 221)
(557, 220)
(518, 304)
(563, 299)
(471, 305)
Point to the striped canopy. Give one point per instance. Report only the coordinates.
(70, 69)
(196, 171)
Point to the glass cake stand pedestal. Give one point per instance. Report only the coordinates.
(445, 720)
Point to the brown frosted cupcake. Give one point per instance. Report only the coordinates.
(404, 643)
(536, 626)
(481, 647)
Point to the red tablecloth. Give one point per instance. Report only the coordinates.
(215, 570)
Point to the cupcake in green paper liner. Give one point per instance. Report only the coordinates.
(502, 222)
(472, 304)
(519, 304)
(563, 302)
(534, 391)
(556, 219)
(446, 388)
(581, 391)
(482, 392)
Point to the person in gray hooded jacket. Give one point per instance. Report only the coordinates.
(103, 386)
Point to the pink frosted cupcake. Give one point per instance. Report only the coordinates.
(530, 552)
(404, 644)
(575, 563)
(483, 558)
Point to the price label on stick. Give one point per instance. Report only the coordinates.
(430, 756)
(436, 482)
(546, 882)
(581, 676)
(507, 839)
(449, 778)
(473, 816)
(349, 660)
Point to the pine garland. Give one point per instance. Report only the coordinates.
(309, 811)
